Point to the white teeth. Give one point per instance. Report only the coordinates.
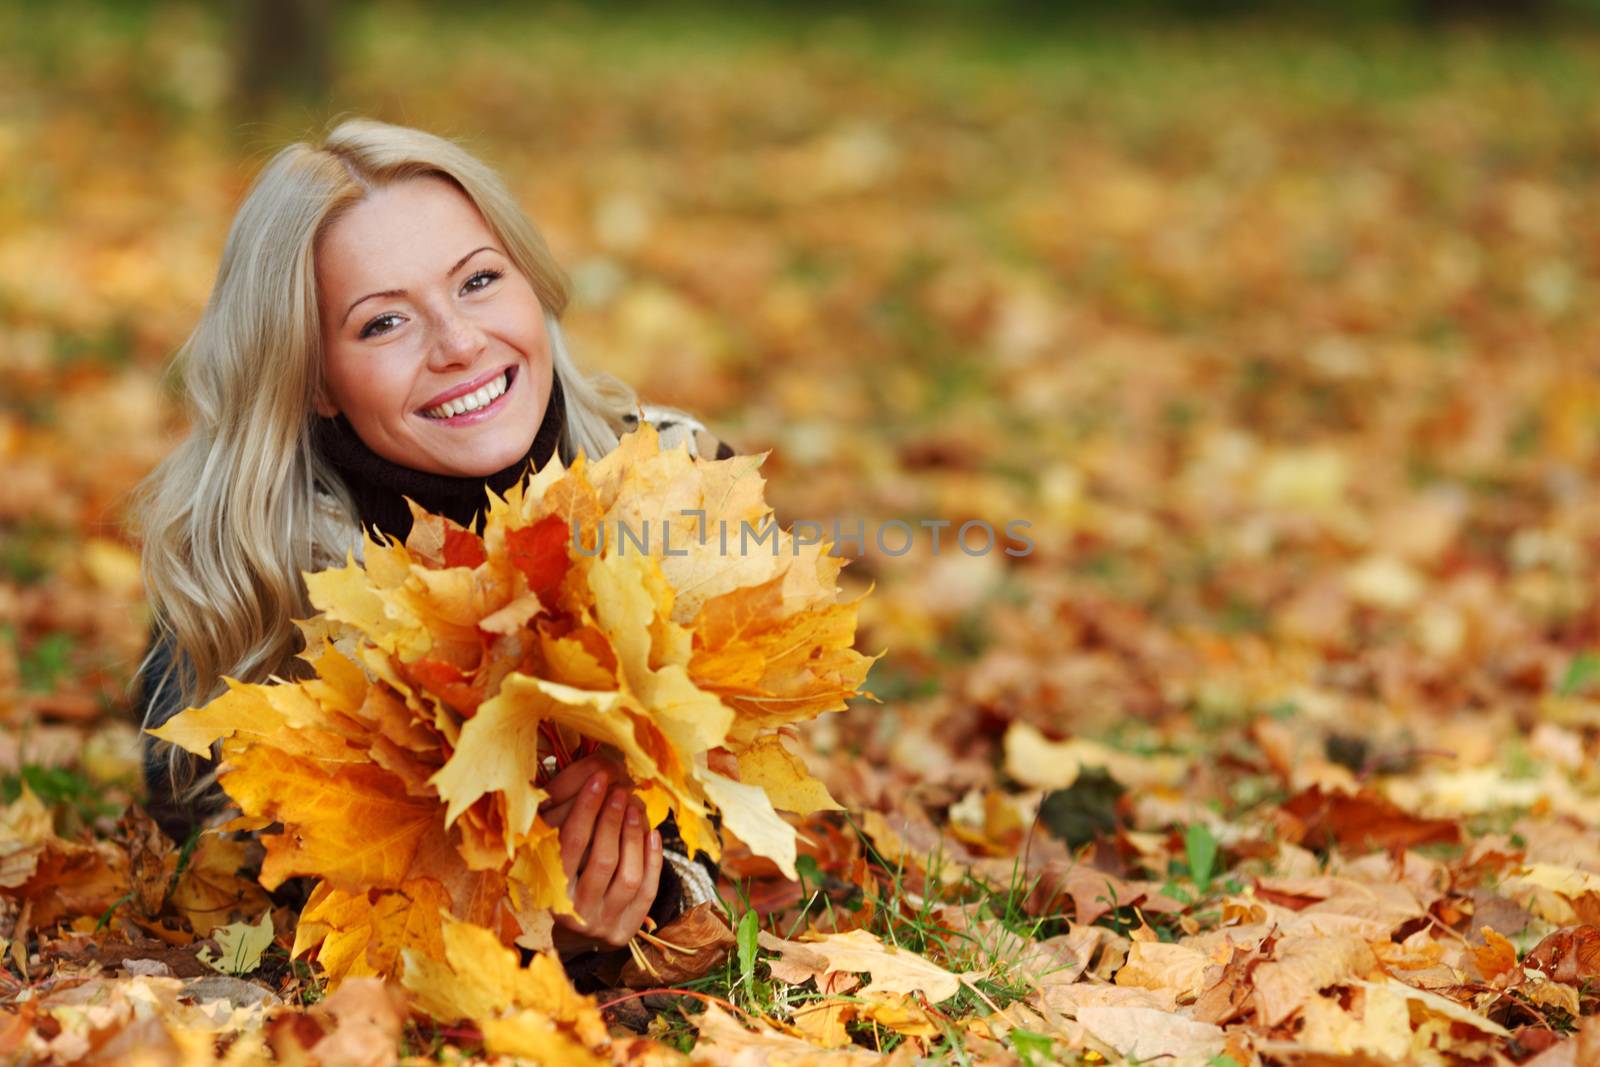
(471, 402)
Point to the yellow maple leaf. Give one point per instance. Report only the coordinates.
(533, 1035)
(480, 979)
(363, 933)
(748, 812)
(354, 826)
(210, 892)
(766, 763)
(496, 751)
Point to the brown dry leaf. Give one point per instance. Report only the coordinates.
(1329, 904)
(796, 963)
(152, 860)
(54, 877)
(1069, 999)
(1064, 958)
(892, 969)
(1579, 1050)
(211, 892)
(1148, 1034)
(367, 1016)
(1302, 965)
(1360, 820)
(1571, 955)
(725, 1043)
(1092, 892)
(1231, 985)
(1175, 969)
(700, 940)
(822, 1022)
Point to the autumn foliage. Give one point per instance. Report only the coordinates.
(1279, 748)
(454, 673)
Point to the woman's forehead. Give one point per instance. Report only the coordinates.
(409, 230)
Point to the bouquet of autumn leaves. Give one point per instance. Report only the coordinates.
(454, 672)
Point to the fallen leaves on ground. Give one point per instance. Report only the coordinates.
(1279, 746)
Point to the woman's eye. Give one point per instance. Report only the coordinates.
(368, 331)
(370, 328)
(490, 275)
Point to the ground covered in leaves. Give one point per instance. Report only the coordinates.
(1278, 747)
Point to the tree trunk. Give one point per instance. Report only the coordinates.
(284, 49)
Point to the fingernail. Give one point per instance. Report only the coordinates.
(655, 838)
(596, 784)
(633, 815)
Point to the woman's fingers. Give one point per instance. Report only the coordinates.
(629, 875)
(566, 785)
(643, 896)
(578, 826)
(611, 856)
(634, 886)
(612, 913)
(604, 851)
(557, 814)
(565, 788)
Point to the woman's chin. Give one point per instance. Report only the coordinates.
(482, 462)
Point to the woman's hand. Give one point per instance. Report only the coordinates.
(611, 857)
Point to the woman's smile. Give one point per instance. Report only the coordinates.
(471, 403)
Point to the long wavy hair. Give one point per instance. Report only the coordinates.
(231, 518)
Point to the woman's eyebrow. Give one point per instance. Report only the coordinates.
(401, 292)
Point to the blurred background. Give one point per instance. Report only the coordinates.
(1279, 328)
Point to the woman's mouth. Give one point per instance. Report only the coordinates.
(474, 407)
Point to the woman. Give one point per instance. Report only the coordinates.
(384, 324)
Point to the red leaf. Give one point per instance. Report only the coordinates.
(1571, 955)
(463, 548)
(540, 553)
(446, 681)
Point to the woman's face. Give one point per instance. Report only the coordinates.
(434, 343)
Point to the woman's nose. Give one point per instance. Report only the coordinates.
(459, 340)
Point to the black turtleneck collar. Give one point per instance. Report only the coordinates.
(379, 486)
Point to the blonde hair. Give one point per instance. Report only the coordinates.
(231, 517)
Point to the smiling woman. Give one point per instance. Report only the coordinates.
(447, 371)
(384, 325)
